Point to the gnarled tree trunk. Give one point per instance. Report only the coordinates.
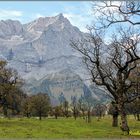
(124, 125)
(138, 117)
(88, 116)
(115, 114)
(114, 120)
(40, 116)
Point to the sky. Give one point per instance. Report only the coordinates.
(78, 12)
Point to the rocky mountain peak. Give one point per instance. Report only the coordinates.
(60, 17)
(10, 27)
(42, 23)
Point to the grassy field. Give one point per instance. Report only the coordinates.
(62, 128)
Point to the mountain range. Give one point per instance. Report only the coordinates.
(41, 53)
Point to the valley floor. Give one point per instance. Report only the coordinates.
(63, 128)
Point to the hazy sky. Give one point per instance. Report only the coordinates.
(79, 13)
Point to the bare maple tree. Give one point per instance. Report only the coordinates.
(111, 64)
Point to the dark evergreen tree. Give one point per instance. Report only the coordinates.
(10, 54)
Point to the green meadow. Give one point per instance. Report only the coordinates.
(63, 128)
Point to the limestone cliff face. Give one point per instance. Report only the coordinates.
(65, 81)
(39, 47)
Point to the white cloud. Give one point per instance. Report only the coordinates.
(81, 21)
(102, 6)
(10, 14)
(38, 15)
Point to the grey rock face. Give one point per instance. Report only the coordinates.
(10, 28)
(39, 47)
